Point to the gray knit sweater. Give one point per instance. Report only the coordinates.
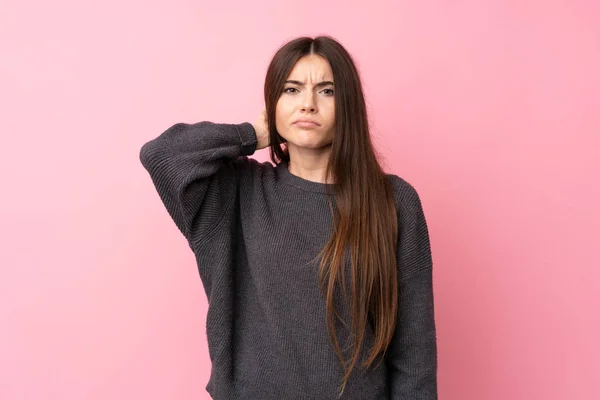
(255, 230)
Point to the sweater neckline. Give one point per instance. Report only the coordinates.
(303, 184)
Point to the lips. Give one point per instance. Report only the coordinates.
(306, 122)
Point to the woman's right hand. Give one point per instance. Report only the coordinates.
(262, 130)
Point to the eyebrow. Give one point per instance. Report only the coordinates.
(320, 84)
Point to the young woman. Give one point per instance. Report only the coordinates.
(318, 268)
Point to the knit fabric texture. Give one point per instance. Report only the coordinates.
(256, 230)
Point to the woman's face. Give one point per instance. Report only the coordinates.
(307, 96)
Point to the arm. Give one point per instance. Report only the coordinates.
(193, 167)
(412, 356)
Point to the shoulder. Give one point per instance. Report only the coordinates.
(406, 196)
(414, 250)
(254, 167)
(252, 172)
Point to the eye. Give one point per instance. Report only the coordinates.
(328, 92)
(289, 90)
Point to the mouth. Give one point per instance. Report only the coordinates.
(307, 123)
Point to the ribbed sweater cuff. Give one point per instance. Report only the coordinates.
(247, 137)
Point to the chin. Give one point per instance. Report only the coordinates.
(311, 145)
(310, 139)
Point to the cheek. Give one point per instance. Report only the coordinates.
(280, 117)
(330, 113)
(283, 110)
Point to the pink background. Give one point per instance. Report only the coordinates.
(490, 108)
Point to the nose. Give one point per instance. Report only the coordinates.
(308, 102)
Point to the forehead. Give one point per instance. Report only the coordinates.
(311, 67)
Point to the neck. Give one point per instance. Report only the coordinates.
(310, 164)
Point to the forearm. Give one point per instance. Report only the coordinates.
(188, 165)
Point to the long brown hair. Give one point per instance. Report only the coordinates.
(365, 223)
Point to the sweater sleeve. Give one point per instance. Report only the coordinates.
(193, 167)
(412, 355)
